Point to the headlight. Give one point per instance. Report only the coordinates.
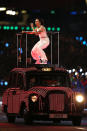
(34, 98)
(79, 98)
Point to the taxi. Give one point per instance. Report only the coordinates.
(42, 93)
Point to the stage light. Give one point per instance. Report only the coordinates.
(84, 42)
(4, 27)
(23, 11)
(8, 27)
(10, 12)
(22, 28)
(81, 38)
(27, 28)
(58, 28)
(11, 27)
(49, 28)
(85, 73)
(5, 83)
(69, 71)
(52, 11)
(73, 13)
(77, 38)
(0, 27)
(16, 27)
(1, 83)
(53, 28)
(2, 8)
(73, 70)
(6, 44)
(81, 70)
(76, 73)
(17, 12)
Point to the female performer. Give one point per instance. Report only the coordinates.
(37, 51)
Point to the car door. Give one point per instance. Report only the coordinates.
(17, 93)
(12, 86)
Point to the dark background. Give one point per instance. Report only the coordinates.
(72, 52)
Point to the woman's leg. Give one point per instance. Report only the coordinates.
(42, 55)
(37, 52)
(34, 52)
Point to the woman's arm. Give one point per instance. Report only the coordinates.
(32, 26)
(41, 29)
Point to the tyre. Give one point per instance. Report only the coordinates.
(11, 118)
(27, 117)
(76, 121)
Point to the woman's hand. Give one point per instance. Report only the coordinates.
(23, 31)
(32, 25)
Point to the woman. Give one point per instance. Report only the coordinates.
(37, 51)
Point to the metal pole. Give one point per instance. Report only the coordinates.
(26, 50)
(17, 51)
(58, 49)
(51, 50)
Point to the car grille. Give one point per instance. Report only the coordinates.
(56, 102)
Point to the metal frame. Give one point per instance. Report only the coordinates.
(51, 33)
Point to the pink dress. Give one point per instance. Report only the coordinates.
(37, 51)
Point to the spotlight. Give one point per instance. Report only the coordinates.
(49, 28)
(11, 27)
(27, 28)
(5, 83)
(11, 12)
(16, 28)
(6, 44)
(73, 70)
(76, 73)
(1, 83)
(85, 73)
(70, 71)
(81, 38)
(52, 12)
(2, 8)
(58, 28)
(73, 13)
(81, 70)
(84, 42)
(77, 38)
(53, 28)
(23, 11)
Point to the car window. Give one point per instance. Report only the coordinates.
(51, 79)
(13, 79)
(20, 82)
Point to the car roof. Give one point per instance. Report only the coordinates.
(37, 68)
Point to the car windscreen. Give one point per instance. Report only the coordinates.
(48, 79)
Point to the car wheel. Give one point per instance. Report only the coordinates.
(27, 117)
(11, 118)
(76, 121)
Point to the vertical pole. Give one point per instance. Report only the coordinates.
(26, 50)
(51, 50)
(58, 49)
(20, 47)
(17, 51)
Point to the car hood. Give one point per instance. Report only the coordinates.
(44, 90)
